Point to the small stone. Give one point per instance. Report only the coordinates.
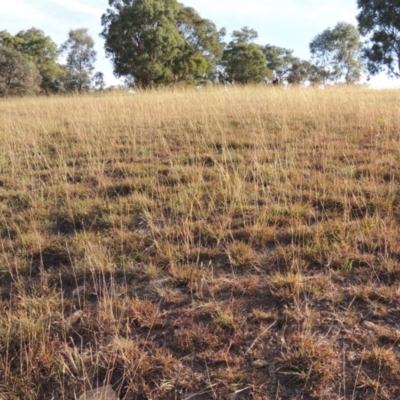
(101, 393)
(78, 290)
(259, 363)
(370, 325)
(162, 282)
(73, 318)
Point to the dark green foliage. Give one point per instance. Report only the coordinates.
(285, 66)
(245, 35)
(203, 48)
(316, 74)
(300, 72)
(80, 59)
(153, 42)
(18, 76)
(337, 51)
(244, 62)
(98, 81)
(380, 21)
(142, 39)
(39, 49)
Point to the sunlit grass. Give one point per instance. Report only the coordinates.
(196, 243)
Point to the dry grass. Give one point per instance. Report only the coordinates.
(182, 245)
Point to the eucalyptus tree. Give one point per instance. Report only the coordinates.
(379, 20)
(203, 48)
(159, 42)
(243, 61)
(98, 82)
(39, 49)
(285, 66)
(18, 76)
(81, 57)
(337, 52)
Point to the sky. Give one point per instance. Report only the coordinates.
(285, 23)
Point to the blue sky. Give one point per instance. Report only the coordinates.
(287, 23)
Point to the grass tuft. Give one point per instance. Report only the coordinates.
(209, 244)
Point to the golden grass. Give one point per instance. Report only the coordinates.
(198, 244)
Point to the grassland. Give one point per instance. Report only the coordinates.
(217, 244)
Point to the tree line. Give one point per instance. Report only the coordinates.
(29, 63)
(162, 42)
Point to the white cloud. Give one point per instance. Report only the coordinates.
(20, 12)
(14, 9)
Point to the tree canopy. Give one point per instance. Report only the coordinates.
(202, 49)
(18, 76)
(243, 61)
(159, 41)
(285, 66)
(98, 81)
(80, 59)
(379, 20)
(39, 49)
(163, 42)
(337, 52)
